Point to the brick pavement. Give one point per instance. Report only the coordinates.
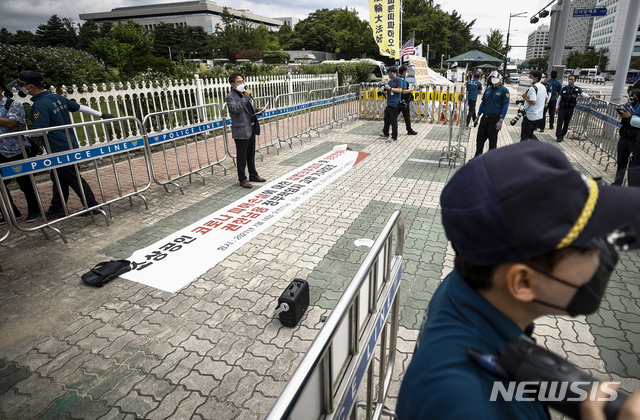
(214, 349)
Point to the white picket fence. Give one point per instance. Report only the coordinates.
(141, 99)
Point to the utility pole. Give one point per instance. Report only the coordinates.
(626, 48)
(559, 33)
(427, 55)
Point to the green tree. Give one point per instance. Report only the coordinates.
(5, 36)
(26, 38)
(226, 38)
(56, 32)
(461, 39)
(122, 45)
(635, 64)
(430, 23)
(496, 44)
(88, 32)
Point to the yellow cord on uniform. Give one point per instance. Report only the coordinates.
(584, 217)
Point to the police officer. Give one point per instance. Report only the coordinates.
(508, 272)
(51, 110)
(493, 109)
(393, 90)
(567, 101)
(554, 86)
(629, 146)
(474, 87)
(407, 96)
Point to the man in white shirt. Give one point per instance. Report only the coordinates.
(535, 98)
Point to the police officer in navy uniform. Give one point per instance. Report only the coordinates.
(567, 101)
(530, 239)
(393, 90)
(629, 145)
(493, 109)
(473, 87)
(554, 87)
(407, 96)
(51, 110)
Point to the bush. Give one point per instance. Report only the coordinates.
(60, 65)
(276, 57)
(148, 63)
(253, 55)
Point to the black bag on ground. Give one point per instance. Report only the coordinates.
(106, 271)
(293, 302)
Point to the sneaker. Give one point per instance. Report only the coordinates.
(383, 135)
(391, 140)
(54, 214)
(32, 217)
(412, 133)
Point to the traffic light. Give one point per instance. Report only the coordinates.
(534, 20)
(544, 13)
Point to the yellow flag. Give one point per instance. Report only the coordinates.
(384, 18)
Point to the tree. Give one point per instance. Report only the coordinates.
(56, 32)
(633, 65)
(495, 42)
(88, 32)
(588, 59)
(430, 23)
(122, 45)
(25, 38)
(5, 36)
(461, 39)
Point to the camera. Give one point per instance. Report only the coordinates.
(520, 102)
(520, 114)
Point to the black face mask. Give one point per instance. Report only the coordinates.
(588, 296)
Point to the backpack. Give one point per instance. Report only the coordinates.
(7, 104)
(106, 271)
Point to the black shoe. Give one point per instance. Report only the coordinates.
(383, 135)
(412, 133)
(550, 127)
(559, 139)
(54, 214)
(32, 217)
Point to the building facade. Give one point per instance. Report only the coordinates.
(607, 31)
(537, 42)
(579, 29)
(203, 13)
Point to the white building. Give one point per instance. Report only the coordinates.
(203, 13)
(536, 43)
(579, 29)
(607, 31)
(291, 21)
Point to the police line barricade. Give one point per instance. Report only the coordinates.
(185, 141)
(326, 382)
(373, 101)
(119, 162)
(578, 124)
(345, 103)
(452, 152)
(5, 207)
(602, 129)
(293, 120)
(320, 109)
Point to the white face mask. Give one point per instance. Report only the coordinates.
(571, 82)
(241, 88)
(495, 80)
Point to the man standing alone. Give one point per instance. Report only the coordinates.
(393, 89)
(474, 87)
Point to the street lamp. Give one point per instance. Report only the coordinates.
(506, 48)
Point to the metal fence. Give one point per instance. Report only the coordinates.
(109, 171)
(366, 316)
(293, 117)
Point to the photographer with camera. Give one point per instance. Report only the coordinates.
(567, 101)
(494, 106)
(629, 143)
(393, 90)
(530, 235)
(534, 98)
(405, 102)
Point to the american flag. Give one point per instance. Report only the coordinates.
(408, 48)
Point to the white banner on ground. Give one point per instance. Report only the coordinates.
(177, 260)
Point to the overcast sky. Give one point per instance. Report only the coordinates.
(28, 14)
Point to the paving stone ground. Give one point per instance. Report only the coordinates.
(214, 350)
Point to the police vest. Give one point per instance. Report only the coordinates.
(569, 101)
(628, 131)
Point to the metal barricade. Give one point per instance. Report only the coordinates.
(118, 162)
(293, 119)
(326, 381)
(267, 137)
(578, 124)
(184, 142)
(4, 207)
(345, 103)
(602, 130)
(320, 109)
(451, 153)
(373, 102)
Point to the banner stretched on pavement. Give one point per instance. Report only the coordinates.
(175, 261)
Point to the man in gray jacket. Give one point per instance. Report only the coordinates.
(244, 128)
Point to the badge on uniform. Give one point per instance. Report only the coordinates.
(36, 115)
